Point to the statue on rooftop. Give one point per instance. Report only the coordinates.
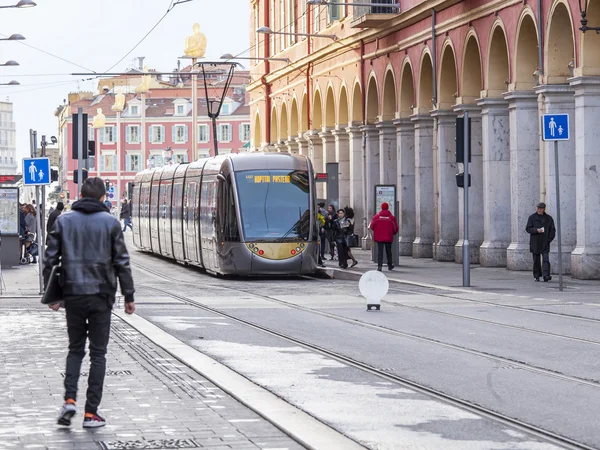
(195, 45)
(119, 105)
(99, 119)
(146, 81)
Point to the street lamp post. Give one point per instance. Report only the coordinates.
(229, 56)
(118, 108)
(21, 4)
(583, 7)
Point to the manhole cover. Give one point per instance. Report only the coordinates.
(149, 444)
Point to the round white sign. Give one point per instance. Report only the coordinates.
(373, 285)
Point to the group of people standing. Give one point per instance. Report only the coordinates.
(336, 228)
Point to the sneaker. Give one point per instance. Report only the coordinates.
(67, 412)
(93, 421)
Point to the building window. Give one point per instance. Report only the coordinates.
(133, 134)
(156, 134)
(316, 19)
(256, 35)
(282, 24)
(133, 162)
(303, 23)
(271, 37)
(108, 163)
(203, 133)
(108, 135)
(135, 110)
(180, 110)
(244, 132)
(226, 109)
(203, 153)
(180, 134)
(156, 159)
(334, 12)
(292, 20)
(224, 133)
(181, 157)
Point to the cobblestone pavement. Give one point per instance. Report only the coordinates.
(151, 401)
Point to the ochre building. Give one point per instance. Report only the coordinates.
(379, 91)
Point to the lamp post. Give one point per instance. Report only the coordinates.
(11, 83)
(21, 4)
(118, 108)
(583, 7)
(98, 122)
(267, 30)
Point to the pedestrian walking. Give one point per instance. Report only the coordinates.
(126, 215)
(322, 214)
(384, 228)
(540, 227)
(341, 230)
(88, 244)
(60, 206)
(349, 212)
(330, 217)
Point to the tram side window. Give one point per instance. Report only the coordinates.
(230, 225)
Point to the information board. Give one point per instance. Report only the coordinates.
(385, 193)
(9, 210)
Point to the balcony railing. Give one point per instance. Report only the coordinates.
(373, 16)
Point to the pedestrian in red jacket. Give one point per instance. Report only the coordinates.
(384, 228)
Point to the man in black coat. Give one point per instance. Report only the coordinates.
(88, 244)
(541, 228)
(52, 218)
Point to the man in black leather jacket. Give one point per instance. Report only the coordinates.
(88, 244)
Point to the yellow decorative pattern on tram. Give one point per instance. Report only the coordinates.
(276, 251)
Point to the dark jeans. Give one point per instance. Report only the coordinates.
(87, 318)
(541, 268)
(388, 253)
(342, 253)
(127, 223)
(323, 238)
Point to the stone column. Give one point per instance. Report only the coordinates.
(424, 201)
(475, 191)
(524, 174)
(302, 145)
(371, 166)
(355, 167)
(559, 99)
(292, 146)
(496, 182)
(342, 156)
(447, 200)
(280, 147)
(328, 153)
(387, 153)
(407, 215)
(585, 259)
(315, 153)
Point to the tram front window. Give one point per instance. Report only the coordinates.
(274, 205)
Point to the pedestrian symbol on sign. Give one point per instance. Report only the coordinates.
(552, 126)
(560, 130)
(41, 175)
(32, 171)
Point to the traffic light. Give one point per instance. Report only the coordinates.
(107, 185)
(53, 175)
(130, 190)
(84, 175)
(91, 148)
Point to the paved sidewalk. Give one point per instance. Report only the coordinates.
(450, 275)
(151, 400)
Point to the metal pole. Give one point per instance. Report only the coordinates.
(465, 249)
(39, 238)
(560, 268)
(98, 156)
(43, 203)
(195, 111)
(118, 164)
(215, 140)
(79, 144)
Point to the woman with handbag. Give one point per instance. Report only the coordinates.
(342, 231)
(349, 212)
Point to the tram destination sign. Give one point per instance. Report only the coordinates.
(268, 178)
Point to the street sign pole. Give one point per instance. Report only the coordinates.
(81, 140)
(465, 249)
(558, 233)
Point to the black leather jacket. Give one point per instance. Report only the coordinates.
(88, 242)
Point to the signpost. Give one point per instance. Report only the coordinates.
(555, 127)
(386, 193)
(463, 155)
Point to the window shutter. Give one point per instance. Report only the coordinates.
(128, 134)
(102, 135)
(241, 132)
(150, 134)
(229, 133)
(174, 133)
(185, 133)
(162, 133)
(334, 12)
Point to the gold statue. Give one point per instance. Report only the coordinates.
(119, 105)
(99, 119)
(195, 45)
(146, 81)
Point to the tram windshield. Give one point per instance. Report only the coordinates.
(274, 205)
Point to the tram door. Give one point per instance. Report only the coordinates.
(165, 218)
(208, 218)
(190, 220)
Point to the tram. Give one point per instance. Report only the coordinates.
(248, 214)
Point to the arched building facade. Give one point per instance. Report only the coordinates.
(379, 93)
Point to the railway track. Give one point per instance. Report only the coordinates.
(402, 381)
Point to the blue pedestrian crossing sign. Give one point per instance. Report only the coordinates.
(555, 127)
(36, 171)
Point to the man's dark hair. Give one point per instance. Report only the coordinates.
(93, 188)
(60, 206)
(321, 204)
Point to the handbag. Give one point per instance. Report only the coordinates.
(53, 293)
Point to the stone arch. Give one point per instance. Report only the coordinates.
(317, 115)
(526, 51)
(294, 118)
(389, 95)
(372, 100)
(256, 133)
(560, 44)
(274, 122)
(407, 90)
(471, 79)
(304, 114)
(357, 106)
(425, 97)
(590, 42)
(283, 123)
(343, 116)
(330, 108)
(498, 69)
(448, 90)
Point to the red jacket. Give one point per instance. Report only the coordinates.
(384, 226)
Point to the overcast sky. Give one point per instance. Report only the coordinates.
(94, 35)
